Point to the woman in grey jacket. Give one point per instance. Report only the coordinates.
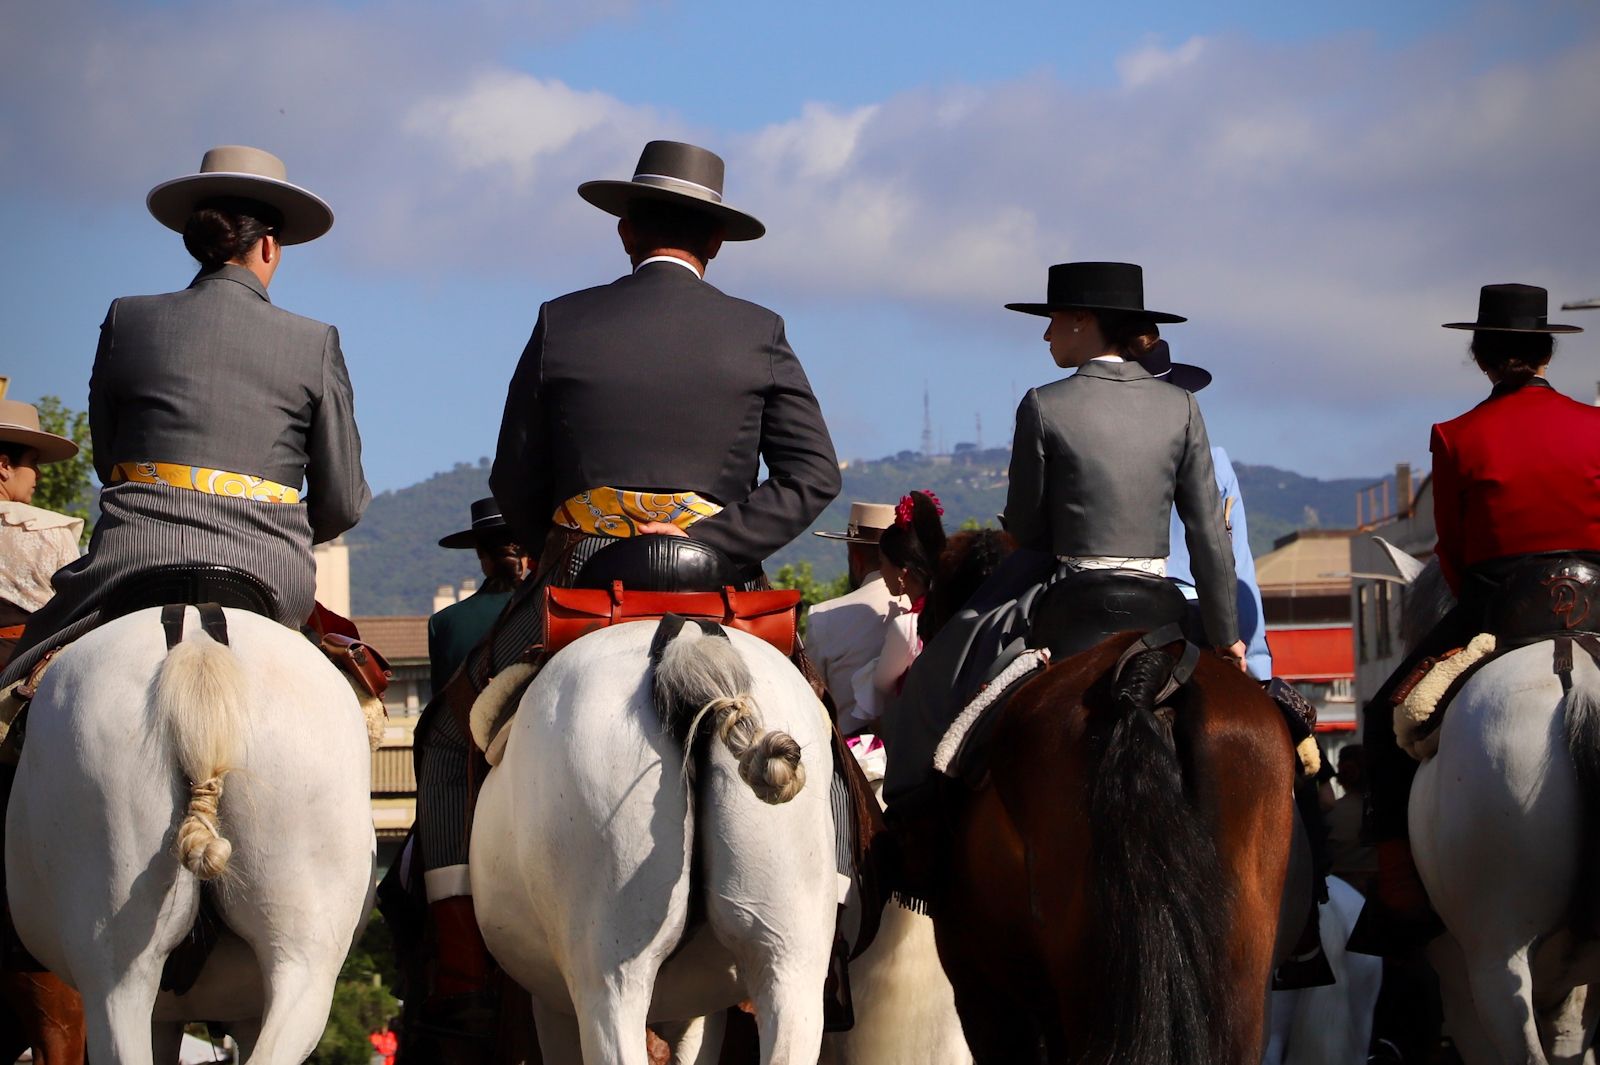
(1100, 457)
(210, 409)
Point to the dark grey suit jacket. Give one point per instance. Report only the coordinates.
(215, 375)
(1098, 461)
(660, 382)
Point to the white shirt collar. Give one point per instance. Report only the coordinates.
(1103, 358)
(669, 259)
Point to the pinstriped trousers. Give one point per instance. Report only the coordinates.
(146, 526)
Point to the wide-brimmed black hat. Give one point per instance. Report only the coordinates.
(486, 518)
(1158, 360)
(674, 172)
(1513, 309)
(1095, 287)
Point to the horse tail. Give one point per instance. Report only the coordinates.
(1583, 744)
(200, 701)
(702, 675)
(1158, 892)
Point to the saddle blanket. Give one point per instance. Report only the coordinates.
(951, 753)
(1427, 690)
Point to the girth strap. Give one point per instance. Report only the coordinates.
(1182, 671)
(212, 622)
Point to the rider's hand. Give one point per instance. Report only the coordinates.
(1235, 653)
(660, 528)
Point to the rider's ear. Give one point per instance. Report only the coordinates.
(713, 246)
(625, 232)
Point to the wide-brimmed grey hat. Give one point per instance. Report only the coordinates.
(674, 172)
(247, 173)
(1117, 287)
(868, 523)
(19, 424)
(486, 520)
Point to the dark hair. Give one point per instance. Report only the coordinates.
(226, 227)
(1512, 357)
(916, 546)
(15, 451)
(670, 225)
(966, 562)
(1123, 332)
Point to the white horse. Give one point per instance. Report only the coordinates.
(623, 879)
(1329, 1025)
(1503, 827)
(108, 842)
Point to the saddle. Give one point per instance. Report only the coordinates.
(1542, 597)
(1084, 609)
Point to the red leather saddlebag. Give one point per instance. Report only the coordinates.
(573, 612)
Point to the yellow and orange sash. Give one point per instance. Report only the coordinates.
(204, 479)
(617, 512)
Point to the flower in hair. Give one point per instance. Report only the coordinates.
(903, 510)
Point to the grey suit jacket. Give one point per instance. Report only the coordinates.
(1098, 462)
(215, 375)
(658, 381)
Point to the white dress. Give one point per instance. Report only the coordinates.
(875, 683)
(34, 543)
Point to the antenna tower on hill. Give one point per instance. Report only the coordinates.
(978, 443)
(927, 423)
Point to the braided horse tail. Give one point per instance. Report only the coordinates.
(700, 675)
(200, 701)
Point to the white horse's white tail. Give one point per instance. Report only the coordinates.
(200, 705)
(700, 675)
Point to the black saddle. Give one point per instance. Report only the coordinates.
(659, 563)
(192, 585)
(1544, 596)
(1085, 608)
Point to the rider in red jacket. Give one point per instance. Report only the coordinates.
(1517, 475)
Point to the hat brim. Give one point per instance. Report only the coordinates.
(458, 540)
(51, 448)
(306, 216)
(1043, 310)
(613, 197)
(847, 538)
(1476, 328)
(1187, 377)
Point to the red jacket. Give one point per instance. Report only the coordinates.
(1517, 474)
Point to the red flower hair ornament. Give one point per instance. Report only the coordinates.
(903, 509)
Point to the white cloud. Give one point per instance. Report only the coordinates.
(1152, 63)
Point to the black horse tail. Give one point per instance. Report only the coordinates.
(1158, 893)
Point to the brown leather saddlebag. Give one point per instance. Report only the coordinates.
(361, 661)
(573, 612)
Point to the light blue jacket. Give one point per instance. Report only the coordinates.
(1252, 624)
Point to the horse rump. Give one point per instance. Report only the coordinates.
(1582, 719)
(700, 674)
(1158, 892)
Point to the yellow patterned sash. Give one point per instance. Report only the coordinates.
(615, 511)
(204, 479)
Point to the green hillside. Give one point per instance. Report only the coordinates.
(396, 565)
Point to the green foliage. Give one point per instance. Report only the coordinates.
(65, 487)
(812, 591)
(362, 1003)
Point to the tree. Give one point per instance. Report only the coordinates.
(66, 487)
(362, 1003)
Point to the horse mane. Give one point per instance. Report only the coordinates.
(1160, 925)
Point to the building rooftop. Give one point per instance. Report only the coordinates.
(402, 639)
(1309, 562)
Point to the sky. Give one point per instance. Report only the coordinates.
(1316, 187)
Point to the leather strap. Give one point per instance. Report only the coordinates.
(11, 632)
(172, 623)
(214, 622)
(1182, 670)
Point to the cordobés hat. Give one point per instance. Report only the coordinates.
(674, 172)
(868, 521)
(1095, 287)
(1513, 309)
(248, 173)
(486, 518)
(19, 424)
(1158, 361)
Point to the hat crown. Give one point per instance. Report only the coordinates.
(686, 168)
(242, 159)
(486, 512)
(1517, 306)
(1115, 286)
(18, 415)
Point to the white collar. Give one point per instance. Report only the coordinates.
(1108, 358)
(670, 259)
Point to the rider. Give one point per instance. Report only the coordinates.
(1099, 459)
(209, 406)
(845, 633)
(1512, 477)
(647, 406)
(34, 542)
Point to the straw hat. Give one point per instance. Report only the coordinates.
(868, 522)
(247, 173)
(19, 424)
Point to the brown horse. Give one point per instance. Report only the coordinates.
(1121, 887)
(38, 1011)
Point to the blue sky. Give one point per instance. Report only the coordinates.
(1315, 186)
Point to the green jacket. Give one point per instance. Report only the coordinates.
(457, 629)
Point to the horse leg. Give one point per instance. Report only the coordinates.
(1566, 1027)
(1461, 1020)
(1502, 987)
(696, 1042)
(117, 1015)
(167, 1040)
(299, 993)
(998, 1031)
(45, 1014)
